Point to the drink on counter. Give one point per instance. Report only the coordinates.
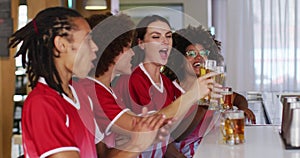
(232, 127)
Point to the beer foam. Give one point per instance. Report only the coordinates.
(234, 114)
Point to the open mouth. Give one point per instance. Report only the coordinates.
(196, 65)
(164, 53)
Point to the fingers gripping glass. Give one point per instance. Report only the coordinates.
(193, 53)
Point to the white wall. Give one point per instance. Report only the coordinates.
(198, 10)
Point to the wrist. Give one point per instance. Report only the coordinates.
(193, 96)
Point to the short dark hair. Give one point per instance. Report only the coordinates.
(111, 33)
(95, 19)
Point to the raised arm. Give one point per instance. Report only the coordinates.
(202, 87)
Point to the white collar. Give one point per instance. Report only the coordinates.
(161, 88)
(106, 88)
(75, 104)
(178, 86)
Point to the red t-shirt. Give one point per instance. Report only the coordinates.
(52, 123)
(108, 107)
(145, 93)
(189, 145)
(120, 86)
(141, 92)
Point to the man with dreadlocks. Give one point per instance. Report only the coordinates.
(57, 118)
(52, 123)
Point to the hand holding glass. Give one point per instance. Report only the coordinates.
(210, 65)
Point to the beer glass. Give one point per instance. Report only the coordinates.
(232, 127)
(220, 78)
(209, 66)
(226, 100)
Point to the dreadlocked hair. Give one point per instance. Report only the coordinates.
(111, 34)
(37, 44)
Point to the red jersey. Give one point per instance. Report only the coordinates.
(120, 85)
(145, 93)
(107, 107)
(52, 123)
(189, 145)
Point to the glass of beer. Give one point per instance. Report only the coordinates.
(232, 127)
(209, 66)
(226, 100)
(220, 78)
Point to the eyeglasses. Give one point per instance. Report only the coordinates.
(193, 53)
